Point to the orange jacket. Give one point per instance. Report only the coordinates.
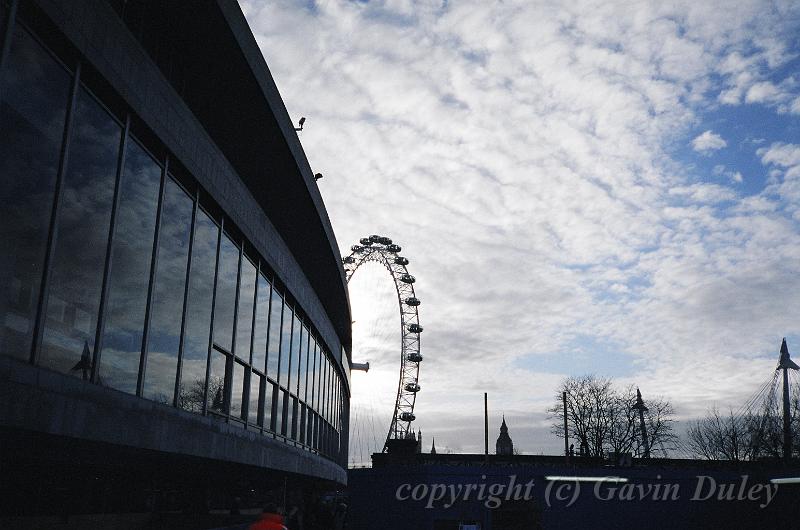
(269, 521)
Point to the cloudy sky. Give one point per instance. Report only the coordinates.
(602, 187)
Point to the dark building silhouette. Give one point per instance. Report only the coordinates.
(504, 445)
(433, 446)
(174, 322)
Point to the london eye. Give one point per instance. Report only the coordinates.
(382, 250)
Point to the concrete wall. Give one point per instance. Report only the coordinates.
(40, 400)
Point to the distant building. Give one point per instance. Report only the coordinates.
(504, 444)
(433, 446)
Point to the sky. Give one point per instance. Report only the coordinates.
(607, 188)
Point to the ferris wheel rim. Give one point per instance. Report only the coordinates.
(382, 250)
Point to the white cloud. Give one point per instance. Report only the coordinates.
(762, 92)
(521, 156)
(780, 154)
(707, 142)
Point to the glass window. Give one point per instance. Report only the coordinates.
(79, 253)
(337, 398)
(329, 395)
(292, 418)
(198, 313)
(226, 293)
(275, 325)
(253, 413)
(315, 429)
(323, 386)
(283, 399)
(35, 90)
(312, 371)
(325, 378)
(237, 391)
(309, 427)
(268, 406)
(300, 421)
(297, 360)
(129, 279)
(286, 345)
(261, 324)
(334, 401)
(338, 404)
(301, 390)
(244, 318)
(168, 291)
(216, 383)
(320, 381)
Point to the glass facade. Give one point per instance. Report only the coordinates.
(129, 276)
(34, 95)
(116, 271)
(166, 321)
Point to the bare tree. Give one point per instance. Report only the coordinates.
(192, 398)
(718, 437)
(756, 432)
(602, 420)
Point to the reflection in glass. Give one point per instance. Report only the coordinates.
(168, 289)
(269, 401)
(318, 432)
(309, 427)
(312, 373)
(292, 417)
(281, 412)
(226, 293)
(286, 347)
(297, 360)
(301, 422)
(261, 327)
(323, 386)
(334, 397)
(80, 247)
(336, 409)
(216, 383)
(253, 415)
(244, 319)
(198, 313)
(301, 391)
(237, 391)
(34, 89)
(275, 325)
(312, 429)
(318, 374)
(131, 256)
(329, 395)
(317, 435)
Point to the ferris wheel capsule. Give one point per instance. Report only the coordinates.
(356, 248)
(407, 278)
(400, 260)
(414, 357)
(385, 241)
(407, 416)
(393, 248)
(413, 387)
(365, 241)
(375, 238)
(349, 259)
(412, 301)
(415, 328)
